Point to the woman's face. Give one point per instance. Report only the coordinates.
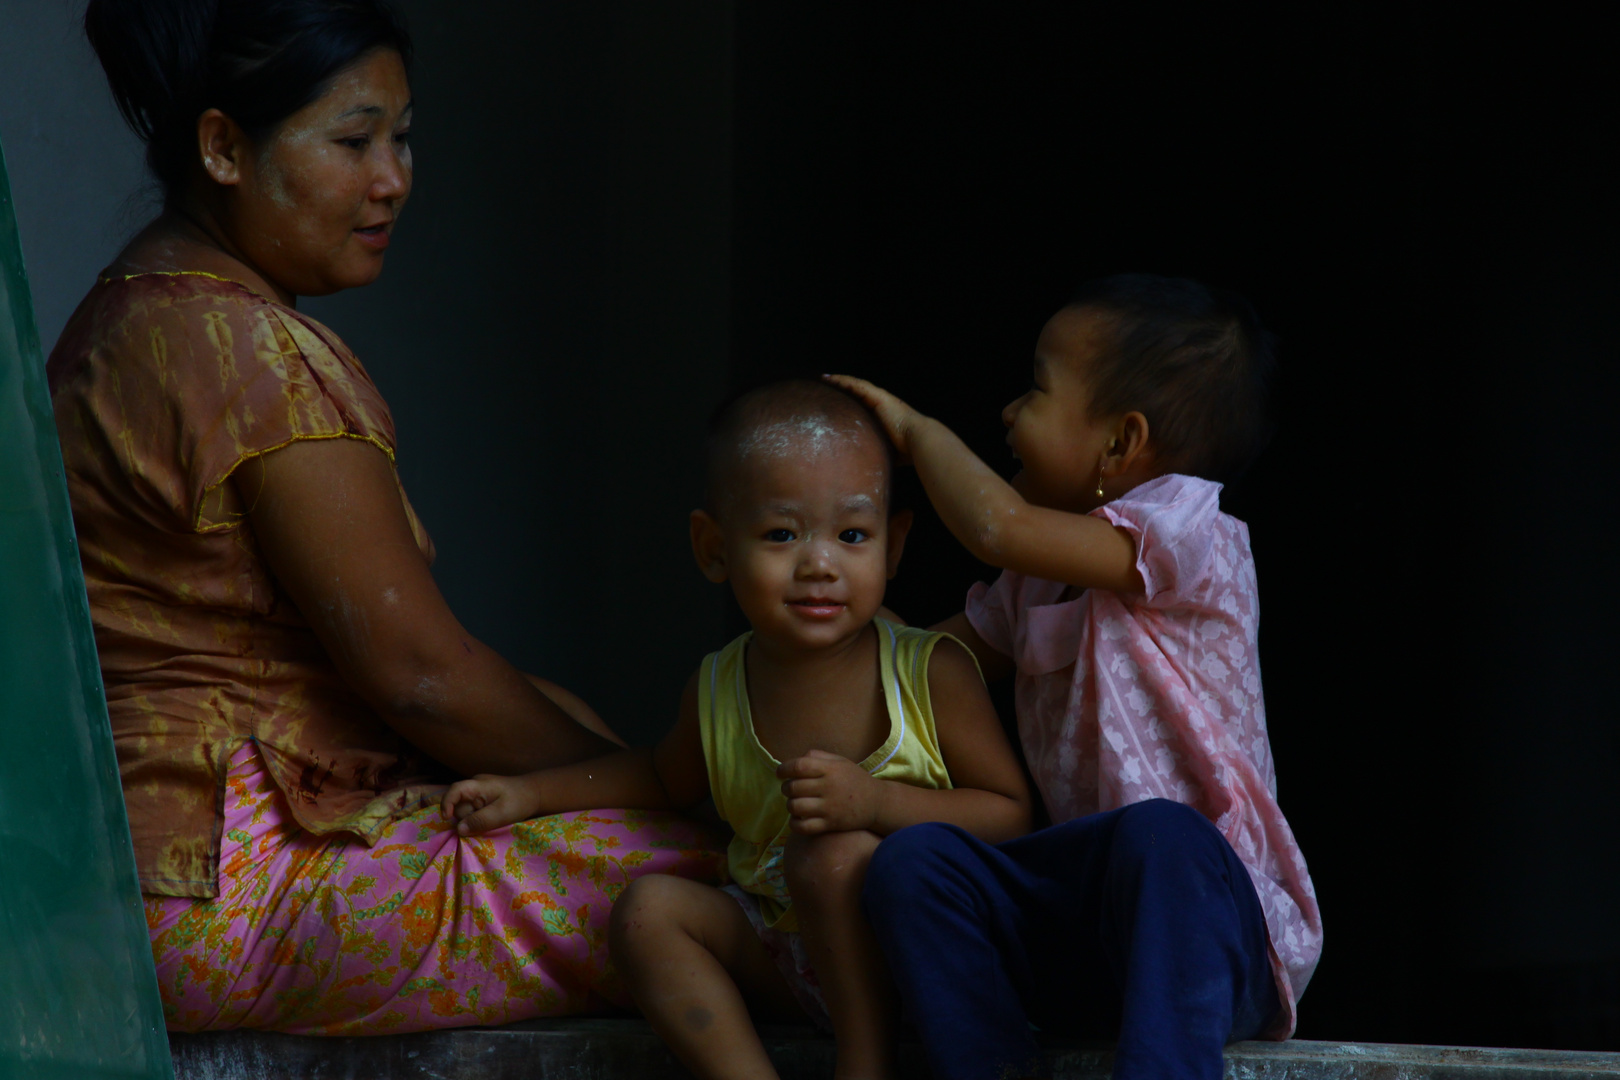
(312, 207)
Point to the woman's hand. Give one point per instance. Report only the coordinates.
(489, 802)
(828, 793)
(899, 420)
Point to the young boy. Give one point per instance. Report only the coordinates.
(818, 733)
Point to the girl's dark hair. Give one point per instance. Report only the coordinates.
(257, 61)
(1194, 360)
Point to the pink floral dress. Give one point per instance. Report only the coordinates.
(1126, 697)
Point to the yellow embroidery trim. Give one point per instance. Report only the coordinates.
(197, 525)
(193, 273)
(173, 273)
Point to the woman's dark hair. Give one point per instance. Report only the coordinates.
(1194, 360)
(257, 61)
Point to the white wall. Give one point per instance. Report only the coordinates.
(76, 171)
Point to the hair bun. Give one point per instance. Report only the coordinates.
(155, 54)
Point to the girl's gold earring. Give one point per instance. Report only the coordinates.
(1100, 494)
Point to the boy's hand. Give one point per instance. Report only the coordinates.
(828, 793)
(898, 418)
(488, 802)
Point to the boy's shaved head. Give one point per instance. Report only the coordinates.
(795, 418)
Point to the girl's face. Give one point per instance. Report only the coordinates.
(313, 207)
(1052, 433)
(807, 541)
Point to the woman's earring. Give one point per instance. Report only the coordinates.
(1100, 494)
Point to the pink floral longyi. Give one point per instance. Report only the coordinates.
(322, 935)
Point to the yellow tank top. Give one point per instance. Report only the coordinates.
(742, 773)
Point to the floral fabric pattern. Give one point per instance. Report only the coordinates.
(1123, 698)
(320, 935)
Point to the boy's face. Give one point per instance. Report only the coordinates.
(805, 538)
(1059, 444)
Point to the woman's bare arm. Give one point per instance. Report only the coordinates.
(670, 776)
(329, 521)
(575, 706)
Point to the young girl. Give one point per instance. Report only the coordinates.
(1169, 905)
(818, 733)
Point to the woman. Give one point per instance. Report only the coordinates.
(287, 688)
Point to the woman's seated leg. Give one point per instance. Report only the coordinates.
(322, 935)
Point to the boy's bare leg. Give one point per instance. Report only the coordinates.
(825, 874)
(693, 964)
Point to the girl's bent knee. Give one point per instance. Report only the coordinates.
(1163, 829)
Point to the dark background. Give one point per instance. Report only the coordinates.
(1416, 198)
(621, 210)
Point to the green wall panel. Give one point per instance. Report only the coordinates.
(78, 994)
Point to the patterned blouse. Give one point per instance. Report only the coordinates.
(1123, 698)
(163, 384)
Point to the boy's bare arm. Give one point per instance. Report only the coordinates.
(990, 799)
(991, 519)
(678, 758)
(995, 665)
(669, 776)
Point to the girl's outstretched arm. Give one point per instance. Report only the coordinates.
(992, 520)
(989, 798)
(669, 776)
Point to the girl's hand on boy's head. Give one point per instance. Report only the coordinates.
(898, 418)
(828, 793)
(487, 802)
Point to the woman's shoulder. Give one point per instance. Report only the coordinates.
(191, 373)
(141, 319)
(137, 314)
(164, 267)
(203, 301)
(189, 332)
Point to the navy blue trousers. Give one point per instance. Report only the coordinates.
(1140, 924)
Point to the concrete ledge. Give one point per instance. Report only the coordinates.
(617, 1049)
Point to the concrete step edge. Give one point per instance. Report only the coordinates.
(607, 1049)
